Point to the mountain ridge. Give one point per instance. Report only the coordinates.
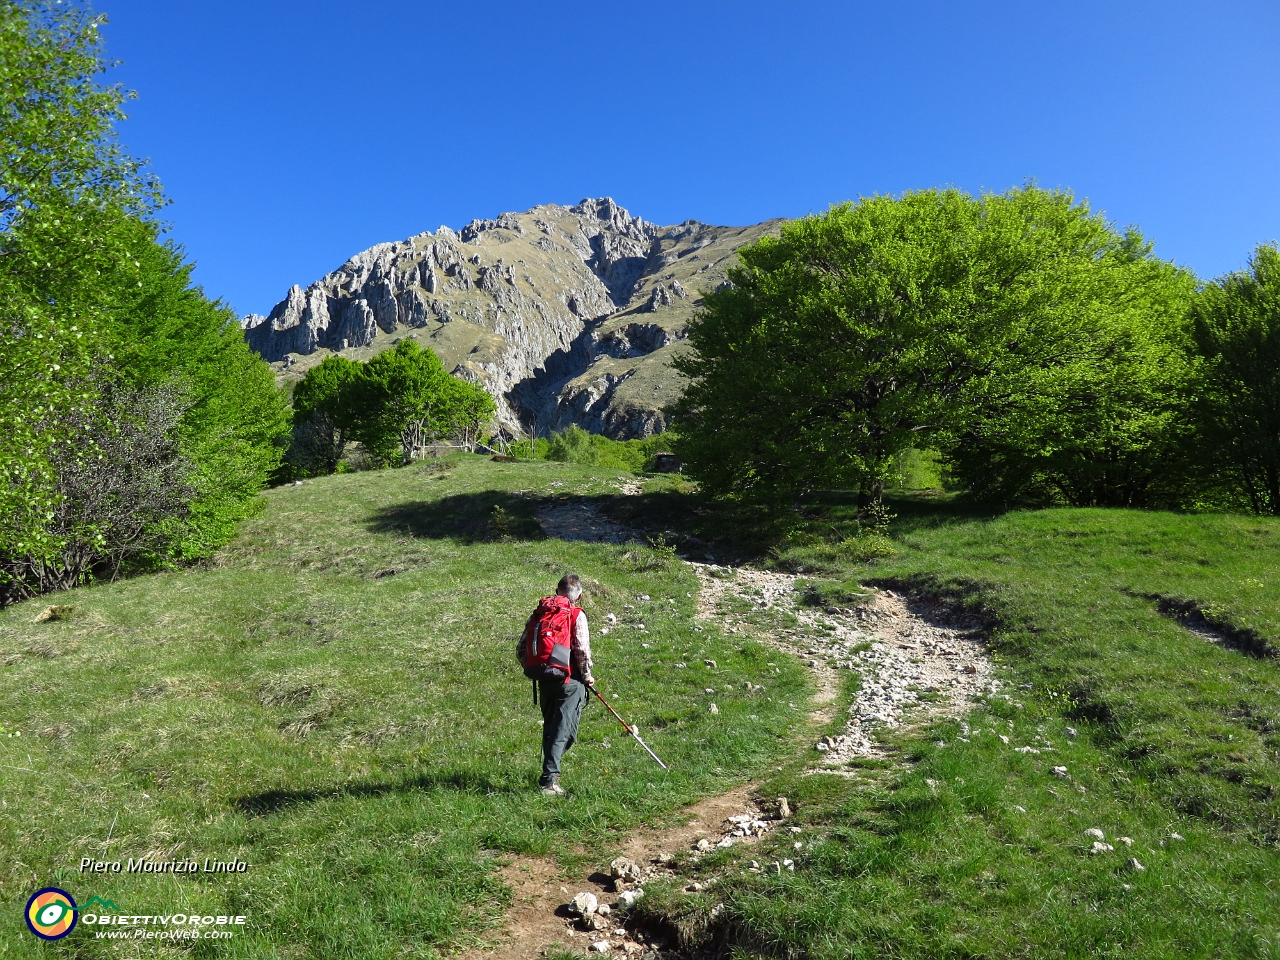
(566, 315)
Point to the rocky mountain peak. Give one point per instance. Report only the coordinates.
(542, 307)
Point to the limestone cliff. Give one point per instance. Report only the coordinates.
(565, 314)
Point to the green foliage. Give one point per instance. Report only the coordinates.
(1089, 410)
(88, 296)
(406, 400)
(164, 330)
(326, 412)
(65, 186)
(913, 469)
(1236, 336)
(535, 448)
(576, 445)
(1019, 333)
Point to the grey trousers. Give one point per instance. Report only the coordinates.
(562, 705)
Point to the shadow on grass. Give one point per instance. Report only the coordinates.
(732, 533)
(728, 534)
(745, 533)
(467, 518)
(460, 781)
(932, 511)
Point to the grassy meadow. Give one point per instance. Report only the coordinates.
(335, 701)
(975, 849)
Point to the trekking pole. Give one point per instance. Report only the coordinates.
(630, 729)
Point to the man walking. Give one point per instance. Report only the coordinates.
(555, 651)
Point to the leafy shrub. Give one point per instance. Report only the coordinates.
(576, 445)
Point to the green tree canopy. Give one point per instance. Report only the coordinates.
(326, 414)
(407, 400)
(164, 330)
(1236, 334)
(936, 318)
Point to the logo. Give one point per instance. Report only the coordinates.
(51, 913)
(105, 904)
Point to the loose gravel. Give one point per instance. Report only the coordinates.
(916, 662)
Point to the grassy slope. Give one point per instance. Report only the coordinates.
(336, 702)
(1175, 735)
(364, 741)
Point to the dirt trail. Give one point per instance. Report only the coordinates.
(915, 665)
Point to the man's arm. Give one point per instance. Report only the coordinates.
(581, 649)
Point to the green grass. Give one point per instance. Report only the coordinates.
(335, 700)
(1173, 735)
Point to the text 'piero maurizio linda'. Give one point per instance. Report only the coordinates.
(143, 865)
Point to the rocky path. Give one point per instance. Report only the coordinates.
(915, 665)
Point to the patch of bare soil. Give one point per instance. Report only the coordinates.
(916, 664)
(541, 918)
(579, 521)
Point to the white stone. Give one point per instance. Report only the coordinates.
(627, 899)
(1095, 833)
(584, 904)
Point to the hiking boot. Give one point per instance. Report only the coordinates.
(553, 790)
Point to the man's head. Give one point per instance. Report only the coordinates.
(570, 586)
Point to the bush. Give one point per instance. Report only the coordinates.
(122, 488)
(576, 445)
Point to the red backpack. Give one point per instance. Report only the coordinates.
(548, 639)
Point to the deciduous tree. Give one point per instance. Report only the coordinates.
(326, 414)
(1019, 324)
(407, 400)
(1236, 334)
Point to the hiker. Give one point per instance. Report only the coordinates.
(555, 651)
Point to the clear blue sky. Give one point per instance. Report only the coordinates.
(291, 135)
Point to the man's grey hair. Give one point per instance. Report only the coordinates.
(569, 586)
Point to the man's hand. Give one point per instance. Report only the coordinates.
(590, 682)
